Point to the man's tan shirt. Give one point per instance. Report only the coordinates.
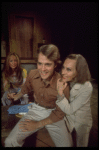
(45, 94)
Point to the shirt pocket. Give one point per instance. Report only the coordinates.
(51, 95)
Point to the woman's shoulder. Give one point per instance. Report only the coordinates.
(87, 85)
(24, 72)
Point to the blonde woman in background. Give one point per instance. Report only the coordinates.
(13, 77)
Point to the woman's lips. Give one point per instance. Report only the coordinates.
(64, 77)
(13, 66)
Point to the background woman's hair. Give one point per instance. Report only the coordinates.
(83, 73)
(51, 51)
(8, 70)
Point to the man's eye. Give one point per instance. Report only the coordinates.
(39, 63)
(48, 64)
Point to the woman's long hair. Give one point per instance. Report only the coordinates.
(8, 70)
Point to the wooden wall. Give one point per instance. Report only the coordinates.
(35, 27)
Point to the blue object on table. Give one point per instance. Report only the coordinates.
(18, 109)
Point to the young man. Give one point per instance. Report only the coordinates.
(43, 112)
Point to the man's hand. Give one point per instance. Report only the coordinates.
(10, 95)
(31, 125)
(28, 125)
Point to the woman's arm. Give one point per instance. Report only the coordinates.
(5, 82)
(24, 73)
(15, 96)
(26, 88)
(81, 98)
(5, 85)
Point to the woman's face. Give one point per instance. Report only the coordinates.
(69, 70)
(13, 62)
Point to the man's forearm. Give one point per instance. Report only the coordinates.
(18, 96)
(44, 122)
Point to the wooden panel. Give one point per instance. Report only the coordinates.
(24, 37)
(26, 30)
(23, 61)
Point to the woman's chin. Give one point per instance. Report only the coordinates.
(64, 80)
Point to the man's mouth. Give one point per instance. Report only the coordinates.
(44, 73)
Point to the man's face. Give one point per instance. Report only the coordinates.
(45, 66)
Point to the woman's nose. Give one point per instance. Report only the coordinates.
(12, 62)
(63, 71)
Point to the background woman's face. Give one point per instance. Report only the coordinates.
(13, 62)
(69, 70)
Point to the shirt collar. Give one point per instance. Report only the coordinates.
(37, 75)
(53, 80)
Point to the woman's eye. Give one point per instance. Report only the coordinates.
(68, 69)
(63, 67)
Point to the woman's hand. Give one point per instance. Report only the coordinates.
(15, 96)
(12, 96)
(61, 86)
(28, 125)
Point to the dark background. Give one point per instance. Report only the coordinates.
(74, 26)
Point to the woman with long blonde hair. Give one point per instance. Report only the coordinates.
(13, 76)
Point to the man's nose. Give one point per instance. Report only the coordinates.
(43, 67)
